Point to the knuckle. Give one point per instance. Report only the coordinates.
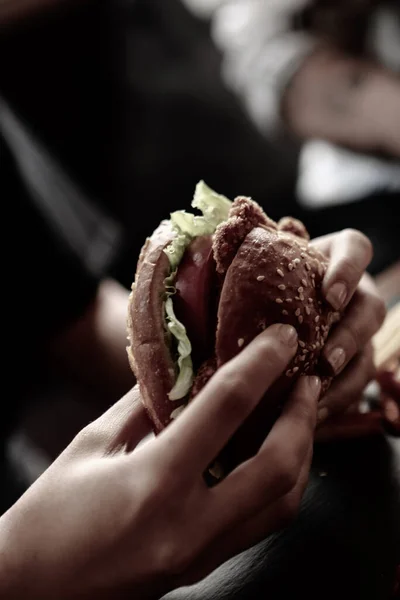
(370, 314)
(288, 510)
(368, 369)
(235, 391)
(352, 338)
(358, 239)
(89, 438)
(285, 475)
(347, 269)
(287, 478)
(171, 559)
(305, 414)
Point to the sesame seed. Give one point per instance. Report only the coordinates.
(301, 344)
(306, 365)
(302, 255)
(313, 346)
(316, 319)
(310, 300)
(295, 369)
(290, 266)
(302, 358)
(317, 328)
(308, 310)
(300, 319)
(296, 262)
(240, 342)
(278, 300)
(313, 283)
(308, 266)
(300, 290)
(289, 373)
(318, 345)
(304, 282)
(297, 297)
(261, 278)
(289, 300)
(305, 351)
(285, 312)
(301, 297)
(280, 272)
(282, 286)
(313, 275)
(298, 311)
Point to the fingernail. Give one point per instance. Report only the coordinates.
(336, 358)
(336, 296)
(322, 414)
(288, 334)
(315, 385)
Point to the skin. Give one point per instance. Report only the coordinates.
(93, 350)
(135, 538)
(339, 98)
(389, 381)
(109, 517)
(348, 351)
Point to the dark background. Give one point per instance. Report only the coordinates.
(126, 98)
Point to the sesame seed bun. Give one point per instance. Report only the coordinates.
(268, 272)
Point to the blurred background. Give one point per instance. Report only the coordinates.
(111, 112)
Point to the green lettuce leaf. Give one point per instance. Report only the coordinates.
(215, 209)
(184, 379)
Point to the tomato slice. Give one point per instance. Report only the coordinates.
(194, 302)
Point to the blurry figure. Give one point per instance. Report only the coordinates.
(326, 73)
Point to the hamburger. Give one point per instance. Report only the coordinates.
(206, 283)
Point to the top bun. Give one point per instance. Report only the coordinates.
(275, 276)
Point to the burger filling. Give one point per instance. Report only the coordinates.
(188, 292)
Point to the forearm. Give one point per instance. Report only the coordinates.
(8, 569)
(344, 100)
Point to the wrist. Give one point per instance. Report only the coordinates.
(10, 574)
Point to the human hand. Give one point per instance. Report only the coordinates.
(110, 517)
(389, 382)
(338, 97)
(348, 351)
